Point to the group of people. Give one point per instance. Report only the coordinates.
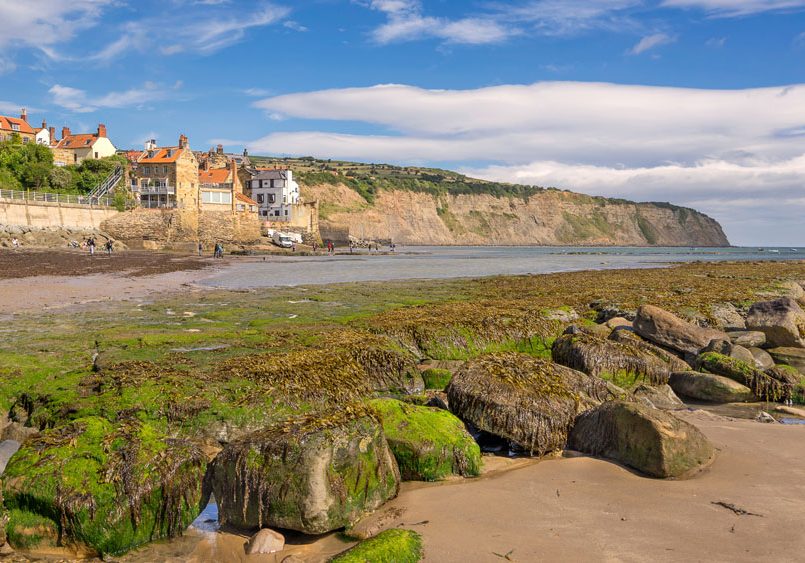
(90, 244)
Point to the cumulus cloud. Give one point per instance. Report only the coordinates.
(650, 42)
(80, 101)
(705, 148)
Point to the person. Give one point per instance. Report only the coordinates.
(200, 248)
(314, 246)
(109, 246)
(91, 246)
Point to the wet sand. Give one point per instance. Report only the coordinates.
(586, 509)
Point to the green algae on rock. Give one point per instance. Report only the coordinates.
(436, 378)
(530, 401)
(764, 385)
(389, 546)
(104, 487)
(313, 473)
(711, 388)
(650, 440)
(429, 444)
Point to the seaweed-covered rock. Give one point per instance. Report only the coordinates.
(709, 387)
(668, 330)
(658, 396)
(794, 357)
(782, 320)
(652, 441)
(762, 384)
(529, 401)
(597, 357)
(729, 349)
(106, 487)
(313, 473)
(436, 378)
(429, 444)
(397, 546)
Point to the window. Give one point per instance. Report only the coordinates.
(286, 212)
(15, 127)
(88, 142)
(96, 155)
(272, 198)
(272, 183)
(216, 197)
(265, 212)
(259, 198)
(25, 140)
(164, 169)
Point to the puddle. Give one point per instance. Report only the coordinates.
(209, 348)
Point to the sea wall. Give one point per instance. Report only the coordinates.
(550, 217)
(48, 215)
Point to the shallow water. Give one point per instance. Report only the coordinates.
(439, 262)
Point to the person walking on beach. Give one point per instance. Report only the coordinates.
(91, 246)
(109, 246)
(200, 248)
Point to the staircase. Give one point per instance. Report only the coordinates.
(107, 185)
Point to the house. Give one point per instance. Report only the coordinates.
(244, 203)
(76, 148)
(44, 134)
(274, 190)
(10, 126)
(218, 186)
(167, 177)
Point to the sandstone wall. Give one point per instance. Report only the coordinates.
(53, 215)
(551, 217)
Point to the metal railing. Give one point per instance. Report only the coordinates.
(108, 184)
(223, 186)
(57, 198)
(154, 190)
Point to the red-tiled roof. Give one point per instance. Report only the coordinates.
(214, 176)
(245, 199)
(7, 122)
(80, 141)
(161, 155)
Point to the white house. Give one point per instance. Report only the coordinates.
(275, 191)
(75, 148)
(43, 134)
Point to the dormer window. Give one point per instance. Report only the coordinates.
(88, 141)
(15, 127)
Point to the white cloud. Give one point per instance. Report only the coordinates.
(733, 8)
(716, 42)
(79, 101)
(651, 42)
(294, 26)
(682, 145)
(571, 17)
(35, 23)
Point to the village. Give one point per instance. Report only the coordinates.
(168, 197)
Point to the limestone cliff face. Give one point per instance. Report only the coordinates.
(550, 217)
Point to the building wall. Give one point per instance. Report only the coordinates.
(104, 147)
(186, 180)
(303, 216)
(46, 214)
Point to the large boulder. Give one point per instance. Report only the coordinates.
(732, 350)
(429, 444)
(766, 385)
(763, 360)
(103, 488)
(782, 320)
(313, 474)
(794, 357)
(651, 441)
(668, 330)
(624, 361)
(747, 338)
(710, 388)
(529, 401)
(658, 396)
(726, 316)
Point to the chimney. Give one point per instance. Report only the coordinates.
(65, 132)
(182, 142)
(101, 130)
(52, 131)
(24, 115)
(220, 149)
(44, 124)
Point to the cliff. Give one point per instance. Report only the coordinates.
(545, 217)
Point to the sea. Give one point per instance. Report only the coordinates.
(440, 262)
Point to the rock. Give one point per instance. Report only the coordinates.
(781, 320)
(7, 449)
(438, 402)
(727, 316)
(792, 290)
(567, 315)
(398, 546)
(313, 474)
(608, 359)
(618, 322)
(372, 525)
(784, 374)
(765, 418)
(103, 487)
(763, 386)
(601, 331)
(436, 378)
(651, 441)
(794, 357)
(429, 444)
(293, 559)
(5, 549)
(265, 541)
(668, 330)
(792, 411)
(747, 338)
(659, 397)
(609, 311)
(726, 348)
(763, 359)
(528, 401)
(710, 388)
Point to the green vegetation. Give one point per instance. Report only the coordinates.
(390, 546)
(30, 167)
(429, 444)
(436, 378)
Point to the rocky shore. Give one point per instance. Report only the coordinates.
(307, 417)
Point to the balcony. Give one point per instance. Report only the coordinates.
(223, 186)
(154, 190)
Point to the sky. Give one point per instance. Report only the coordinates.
(697, 102)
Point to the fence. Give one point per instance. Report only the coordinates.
(57, 198)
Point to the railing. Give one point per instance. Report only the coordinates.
(57, 198)
(154, 190)
(226, 186)
(108, 184)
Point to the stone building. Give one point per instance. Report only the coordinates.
(275, 192)
(10, 126)
(74, 148)
(166, 177)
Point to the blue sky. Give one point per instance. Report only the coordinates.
(697, 102)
